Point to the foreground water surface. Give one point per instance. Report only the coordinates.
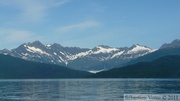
(83, 89)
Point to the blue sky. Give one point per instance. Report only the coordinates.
(88, 23)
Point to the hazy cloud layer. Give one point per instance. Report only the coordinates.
(32, 10)
(13, 35)
(78, 27)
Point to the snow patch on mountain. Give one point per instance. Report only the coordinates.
(55, 53)
(48, 46)
(36, 50)
(63, 53)
(62, 60)
(82, 54)
(104, 50)
(117, 54)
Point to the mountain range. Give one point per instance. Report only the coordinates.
(98, 58)
(33, 60)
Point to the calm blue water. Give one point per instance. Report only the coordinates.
(83, 89)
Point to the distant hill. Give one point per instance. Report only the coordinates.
(164, 67)
(15, 68)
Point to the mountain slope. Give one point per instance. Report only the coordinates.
(164, 67)
(15, 68)
(98, 58)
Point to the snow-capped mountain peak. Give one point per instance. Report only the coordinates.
(138, 48)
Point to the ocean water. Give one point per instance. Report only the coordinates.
(83, 89)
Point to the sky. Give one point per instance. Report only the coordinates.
(88, 23)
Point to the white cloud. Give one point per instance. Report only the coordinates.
(79, 26)
(12, 36)
(98, 8)
(32, 10)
